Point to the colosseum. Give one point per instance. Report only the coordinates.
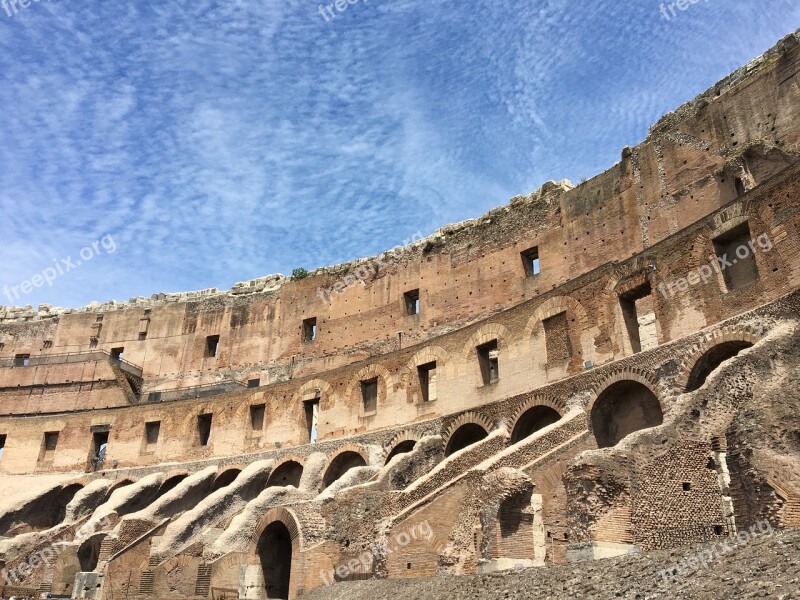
(627, 382)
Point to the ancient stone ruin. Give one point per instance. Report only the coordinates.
(587, 372)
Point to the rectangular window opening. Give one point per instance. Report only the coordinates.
(737, 258)
(427, 381)
(253, 383)
(99, 447)
(312, 416)
(556, 338)
(369, 393)
(204, 428)
(310, 329)
(212, 346)
(638, 314)
(257, 412)
(2, 443)
(530, 261)
(116, 354)
(151, 431)
(49, 443)
(488, 356)
(411, 300)
(22, 360)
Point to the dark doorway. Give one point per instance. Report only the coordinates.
(275, 551)
(341, 465)
(289, 473)
(624, 407)
(464, 436)
(711, 360)
(99, 446)
(401, 448)
(532, 420)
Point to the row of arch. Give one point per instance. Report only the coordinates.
(624, 404)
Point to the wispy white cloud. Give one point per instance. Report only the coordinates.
(220, 141)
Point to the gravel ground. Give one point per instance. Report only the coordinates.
(765, 566)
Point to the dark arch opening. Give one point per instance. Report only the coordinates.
(89, 552)
(170, 484)
(65, 497)
(711, 360)
(401, 448)
(289, 473)
(116, 486)
(464, 436)
(624, 407)
(275, 552)
(341, 464)
(532, 420)
(225, 478)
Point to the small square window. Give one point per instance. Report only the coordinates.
(686, 486)
(116, 354)
(412, 303)
(530, 261)
(253, 383)
(212, 346)
(369, 393)
(22, 360)
(488, 359)
(204, 428)
(151, 431)
(257, 417)
(310, 329)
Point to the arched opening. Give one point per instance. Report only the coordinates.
(341, 465)
(289, 473)
(401, 448)
(89, 552)
(65, 497)
(225, 478)
(116, 486)
(711, 360)
(532, 420)
(275, 552)
(464, 436)
(622, 408)
(170, 484)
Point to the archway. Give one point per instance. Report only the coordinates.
(224, 479)
(64, 498)
(341, 464)
(532, 420)
(170, 484)
(711, 360)
(622, 408)
(275, 552)
(89, 552)
(116, 486)
(289, 473)
(401, 448)
(464, 436)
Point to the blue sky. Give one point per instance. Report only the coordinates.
(222, 141)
